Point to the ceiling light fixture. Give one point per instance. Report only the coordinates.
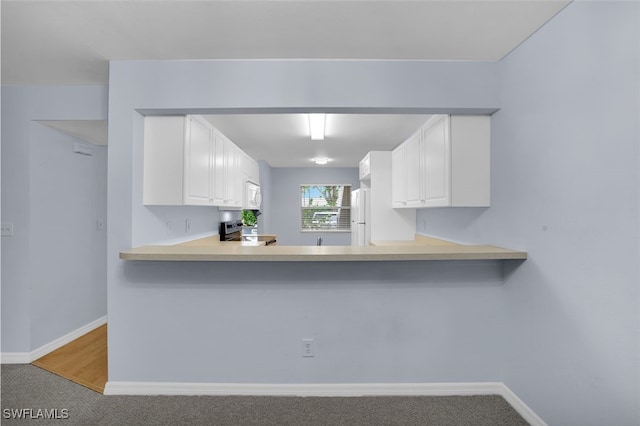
(316, 126)
(321, 160)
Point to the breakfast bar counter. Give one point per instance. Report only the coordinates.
(210, 249)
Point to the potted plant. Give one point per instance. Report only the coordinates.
(249, 222)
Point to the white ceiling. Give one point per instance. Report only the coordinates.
(62, 42)
(348, 137)
(70, 42)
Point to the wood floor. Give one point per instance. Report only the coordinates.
(83, 361)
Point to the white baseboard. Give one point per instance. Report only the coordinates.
(15, 357)
(28, 357)
(523, 409)
(303, 389)
(326, 389)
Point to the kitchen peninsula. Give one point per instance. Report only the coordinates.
(423, 248)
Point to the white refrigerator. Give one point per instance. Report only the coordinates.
(358, 217)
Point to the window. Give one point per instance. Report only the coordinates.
(325, 208)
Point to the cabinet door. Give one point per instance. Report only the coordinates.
(229, 164)
(237, 179)
(248, 167)
(232, 180)
(437, 162)
(365, 168)
(163, 174)
(251, 170)
(399, 177)
(198, 155)
(470, 161)
(218, 171)
(413, 171)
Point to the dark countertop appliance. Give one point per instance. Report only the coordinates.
(231, 230)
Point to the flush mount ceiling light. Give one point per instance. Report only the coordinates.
(316, 126)
(321, 160)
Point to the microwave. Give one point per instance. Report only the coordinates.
(252, 198)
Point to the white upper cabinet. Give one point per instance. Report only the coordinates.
(413, 167)
(253, 168)
(218, 168)
(177, 161)
(188, 162)
(399, 176)
(198, 164)
(445, 164)
(163, 171)
(470, 161)
(436, 157)
(407, 173)
(249, 168)
(233, 182)
(365, 168)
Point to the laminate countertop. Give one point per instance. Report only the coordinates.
(255, 240)
(210, 249)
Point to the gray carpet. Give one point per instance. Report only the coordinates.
(26, 386)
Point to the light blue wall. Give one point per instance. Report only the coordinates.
(373, 322)
(285, 216)
(54, 267)
(68, 194)
(565, 187)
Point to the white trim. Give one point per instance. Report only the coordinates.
(69, 337)
(15, 357)
(327, 390)
(28, 357)
(523, 409)
(302, 389)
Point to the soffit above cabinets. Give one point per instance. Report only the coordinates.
(70, 42)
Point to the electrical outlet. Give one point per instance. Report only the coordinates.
(308, 348)
(187, 225)
(169, 228)
(7, 229)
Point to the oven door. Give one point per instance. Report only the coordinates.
(252, 197)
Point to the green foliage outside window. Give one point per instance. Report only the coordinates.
(325, 207)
